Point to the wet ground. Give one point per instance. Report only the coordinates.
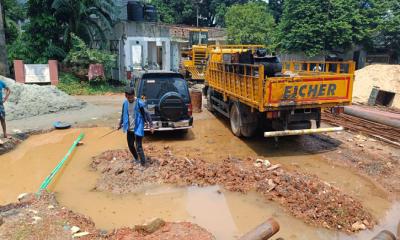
(225, 215)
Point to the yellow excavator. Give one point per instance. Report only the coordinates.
(195, 55)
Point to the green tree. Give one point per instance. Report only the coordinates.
(3, 52)
(80, 56)
(14, 12)
(88, 19)
(387, 33)
(250, 23)
(315, 27)
(176, 11)
(276, 7)
(211, 12)
(42, 34)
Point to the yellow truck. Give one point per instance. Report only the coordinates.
(257, 91)
(194, 57)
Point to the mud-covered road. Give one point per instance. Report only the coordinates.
(360, 168)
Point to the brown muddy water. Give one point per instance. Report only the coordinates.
(226, 215)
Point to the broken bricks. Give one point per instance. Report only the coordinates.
(295, 191)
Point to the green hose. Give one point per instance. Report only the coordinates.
(49, 178)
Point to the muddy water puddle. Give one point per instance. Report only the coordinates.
(226, 215)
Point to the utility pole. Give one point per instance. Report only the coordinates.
(3, 50)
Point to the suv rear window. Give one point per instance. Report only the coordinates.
(155, 88)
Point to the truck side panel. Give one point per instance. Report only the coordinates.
(308, 90)
(239, 81)
(304, 89)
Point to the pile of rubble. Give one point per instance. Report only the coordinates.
(43, 218)
(28, 100)
(305, 196)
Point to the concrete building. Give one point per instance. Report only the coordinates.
(149, 45)
(143, 45)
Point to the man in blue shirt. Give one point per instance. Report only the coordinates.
(4, 87)
(133, 118)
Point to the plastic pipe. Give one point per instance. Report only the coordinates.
(372, 117)
(53, 173)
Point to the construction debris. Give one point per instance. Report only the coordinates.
(55, 224)
(295, 191)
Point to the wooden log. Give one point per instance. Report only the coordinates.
(263, 231)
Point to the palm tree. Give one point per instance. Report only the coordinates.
(3, 51)
(88, 19)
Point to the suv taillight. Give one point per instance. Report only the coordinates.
(190, 109)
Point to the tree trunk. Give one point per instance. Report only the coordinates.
(3, 51)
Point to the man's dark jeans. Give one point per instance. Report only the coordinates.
(135, 146)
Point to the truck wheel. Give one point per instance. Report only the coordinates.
(209, 103)
(244, 123)
(234, 117)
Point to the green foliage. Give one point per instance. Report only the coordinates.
(42, 33)
(176, 11)
(46, 35)
(211, 12)
(17, 50)
(14, 11)
(73, 86)
(387, 34)
(88, 19)
(315, 27)
(81, 56)
(276, 7)
(11, 30)
(250, 23)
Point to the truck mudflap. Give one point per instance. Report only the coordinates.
(301, 132)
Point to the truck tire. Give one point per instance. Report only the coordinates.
(244, 123)
(234, 117)
(210, 107)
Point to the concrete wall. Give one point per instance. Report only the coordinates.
(151, 37)
(175, 56)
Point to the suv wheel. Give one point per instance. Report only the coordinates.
(171, 106)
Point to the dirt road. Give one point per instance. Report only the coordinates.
(99, 110)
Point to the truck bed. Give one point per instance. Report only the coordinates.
(301, 84)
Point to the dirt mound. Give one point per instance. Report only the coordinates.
(386, 77)
(42, 218)
(305, 196)
(27, 100)
(170, 231)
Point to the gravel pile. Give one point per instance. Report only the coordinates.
(33, 100)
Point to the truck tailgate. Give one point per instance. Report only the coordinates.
(304, 91)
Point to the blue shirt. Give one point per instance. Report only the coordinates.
(139, 120)
(2, 86)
